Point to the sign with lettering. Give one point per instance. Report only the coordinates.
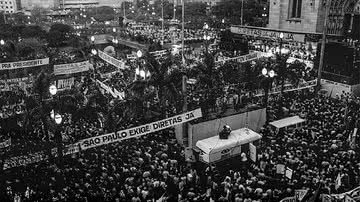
(24, 64)
(8, 84)
(72, 68)
(241, 59)
(113, 61)
(264, 33)
(139, 130)
(65, 83)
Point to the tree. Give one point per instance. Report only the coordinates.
(59, 34)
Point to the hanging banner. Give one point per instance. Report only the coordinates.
(24, 64)
(267, 33)
(300, 194)
(72, 68)
(113, 61)
(38, 156)
(140, 130)
(107, 88)
(252, 149)
(9, 84)
(6, 143)
(63, 84)
(240, 59)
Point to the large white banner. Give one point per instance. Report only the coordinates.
(113, 61)
(72, 68)
(140, 130)
(241, 59)
(24, 64)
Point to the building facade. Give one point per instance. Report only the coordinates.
(8, 6)
(31, 4)
(308, 16)
(68, 4)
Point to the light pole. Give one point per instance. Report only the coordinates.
(140, 72)
(182, 31)
(267, 81)
(206, 37)
(323, 43)
(242, 11)
(94, 53)
(58, 120)
(162, 22)
(281, 37)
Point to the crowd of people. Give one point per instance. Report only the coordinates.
(153, 167)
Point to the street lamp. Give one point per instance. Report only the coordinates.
(268, 77)
(94, 51)
(2, 42)
(92, 38)
(139, 53)
(281, 36)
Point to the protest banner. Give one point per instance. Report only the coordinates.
(288, 173)
(113, 61)
(24, 160)
(240, 59)
(72, 68)
(289, 199)
(107, 88)
(338, 182)
(63, 84)
(252, 149)
(38, 156)
(280, 169)
(24, 64)
(300, 194)
(6, 143)
(10, 84)
(139, 130)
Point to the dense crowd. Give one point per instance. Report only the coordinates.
(154, 167)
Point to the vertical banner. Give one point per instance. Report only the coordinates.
(252, 149)
(280, 169)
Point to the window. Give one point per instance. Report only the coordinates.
(295, 8)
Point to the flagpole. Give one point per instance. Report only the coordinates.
(323, 43)
(182, 31)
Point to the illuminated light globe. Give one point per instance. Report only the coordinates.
(148, 74)
(139, 54)
(53, 90)
(271, 73)
(281, 35)
(92, 38)
(137, 71)
(93, 51)
(264, 71)
(2, 42)
(58, 119)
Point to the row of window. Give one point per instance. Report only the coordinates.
(295, 8)
(6, 7)
(5, 2)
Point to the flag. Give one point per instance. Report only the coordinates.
(349, 199)
(338, 182)
(352, 142)
(300, 194)
(325, 198)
